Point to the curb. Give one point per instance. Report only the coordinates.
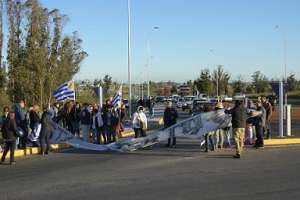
(35, 150)
(127, 134)
(56, 147)
(282, 141)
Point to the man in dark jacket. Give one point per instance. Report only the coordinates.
(239, 116)
(75, 119)
(86, 121)
(170, 118)
(9, 133)
(22, 123)
(46, 130)
(110, 120)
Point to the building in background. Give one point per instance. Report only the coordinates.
(184, 90)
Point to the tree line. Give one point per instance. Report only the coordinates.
(219, 81)
(40, 56)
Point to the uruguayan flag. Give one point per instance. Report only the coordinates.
(117, 100)
(65, 91)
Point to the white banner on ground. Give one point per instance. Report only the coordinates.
(194, 127)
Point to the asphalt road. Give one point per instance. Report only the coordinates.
(155, 173)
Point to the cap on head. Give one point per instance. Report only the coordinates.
(219, 105)
(140, 108)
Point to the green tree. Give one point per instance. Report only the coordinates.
(220, 80)
(37, 51)
(204, 82)
(260, 82)
(293, 84)
(38, 58)
(174, 89)
(15, 51)
(107, 83)
(239, 86)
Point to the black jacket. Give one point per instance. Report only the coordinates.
(47, 126)
(85, 117)
(239, 116)
(170, 117)
(9, 130)
(110, 118)
(34, 119)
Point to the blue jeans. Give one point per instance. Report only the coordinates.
(267, 130)
(259, 136)
(85, 132)
(45, 141)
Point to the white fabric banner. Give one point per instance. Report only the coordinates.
(194, 127)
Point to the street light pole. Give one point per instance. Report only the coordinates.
(149, 60)
(285, 74)
(283, 32)
(129, 55)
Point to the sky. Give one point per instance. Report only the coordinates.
(242, 35)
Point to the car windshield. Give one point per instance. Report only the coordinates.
(188, 98)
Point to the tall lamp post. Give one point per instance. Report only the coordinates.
(277, 27)
(129, 55)
(149, 59)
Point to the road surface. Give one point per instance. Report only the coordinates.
(181, 173)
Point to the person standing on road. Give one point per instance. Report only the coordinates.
(170, 118)
(219, 134)
(86, 120)
(139, 123)
(98, 126)
(46, 130)
(150, 105)
(22, 123)
(9, 134)
(269, 112)
(75, 119)
(208, 137)
(34, 119)
(110, 120)
(239, 116)
(259, 120)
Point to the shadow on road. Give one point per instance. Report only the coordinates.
(220, 156)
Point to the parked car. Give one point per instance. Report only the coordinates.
(188, 103)
(160, 99)
(239, 96)
(180, 102)
(200, 106)
(226, 98)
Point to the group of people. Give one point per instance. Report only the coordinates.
(21, 127)
(102, 125)
(247, 118)
(91, 122)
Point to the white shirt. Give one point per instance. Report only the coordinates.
(139, 117)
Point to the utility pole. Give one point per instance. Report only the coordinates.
(129, 55)
(149, 59)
